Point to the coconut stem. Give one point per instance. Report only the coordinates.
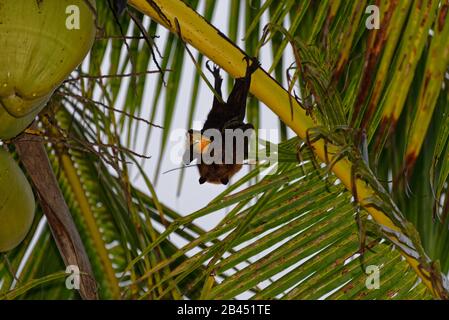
(33, 156)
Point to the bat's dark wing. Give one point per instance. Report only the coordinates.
(236, 104)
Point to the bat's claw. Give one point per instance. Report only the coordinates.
(215, 70)
(255, 64)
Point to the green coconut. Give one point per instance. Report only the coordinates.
(41, 43)
(17, 203)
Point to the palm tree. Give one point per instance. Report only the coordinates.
(356, 208)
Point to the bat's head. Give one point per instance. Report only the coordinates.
(217, 173)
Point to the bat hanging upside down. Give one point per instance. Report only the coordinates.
(222, 145)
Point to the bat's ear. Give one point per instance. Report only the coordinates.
(224, 181)
(202, 180)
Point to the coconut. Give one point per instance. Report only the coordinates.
(17, 203)
(42, 42)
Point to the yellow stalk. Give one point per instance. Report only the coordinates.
(88, 216)
(179, 18)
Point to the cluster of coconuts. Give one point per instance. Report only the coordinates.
(42, 42)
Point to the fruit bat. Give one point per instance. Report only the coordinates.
(224, 118)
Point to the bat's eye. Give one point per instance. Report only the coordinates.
(224, 181)
(202, 180)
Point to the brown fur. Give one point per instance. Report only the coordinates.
(218, 173)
